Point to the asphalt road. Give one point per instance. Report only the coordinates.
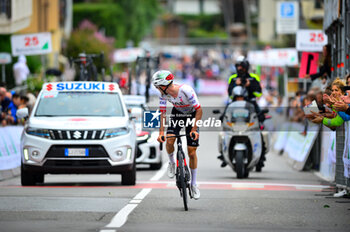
(277, 199)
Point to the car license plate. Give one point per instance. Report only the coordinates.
(76, 152)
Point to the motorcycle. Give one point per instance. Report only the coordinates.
(241, 143)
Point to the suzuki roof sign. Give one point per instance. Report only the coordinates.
(85, 86)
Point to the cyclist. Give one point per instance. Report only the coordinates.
(186, 107)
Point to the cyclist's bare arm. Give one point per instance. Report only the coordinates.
(161, 137)
(198, 116)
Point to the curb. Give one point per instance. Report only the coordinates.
(7, 174)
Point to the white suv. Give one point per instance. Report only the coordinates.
(81, 128)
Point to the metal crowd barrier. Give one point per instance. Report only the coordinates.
(341, 181)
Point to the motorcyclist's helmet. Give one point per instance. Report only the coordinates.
(162, 78)
(242, 61)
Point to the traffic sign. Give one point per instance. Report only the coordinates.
(31, 44)
(5, 58)
(287, 21)
(311, 40)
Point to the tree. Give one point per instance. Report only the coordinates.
(123, 19)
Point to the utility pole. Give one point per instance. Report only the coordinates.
(147, 61)
(248, 23)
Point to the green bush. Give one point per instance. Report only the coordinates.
(207, 26)
(85, 41)
(34, 84)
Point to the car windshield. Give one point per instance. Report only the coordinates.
(66, 104)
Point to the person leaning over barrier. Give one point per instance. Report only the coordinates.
(325, 67)
(337, 101)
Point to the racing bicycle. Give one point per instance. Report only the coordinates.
(182, 172)
(87, 68)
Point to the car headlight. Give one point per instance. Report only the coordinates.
(111, 133)
(43, 133)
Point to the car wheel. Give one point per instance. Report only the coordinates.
(39, 178)
(129, 178)
(156, 166)
(27, 178)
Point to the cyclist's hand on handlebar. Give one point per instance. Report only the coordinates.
(161, 138)
(194, 135)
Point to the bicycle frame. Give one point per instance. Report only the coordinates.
(181, 162)
(182, 172)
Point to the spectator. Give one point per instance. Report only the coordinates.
(23, 102)
(5, 100)
(10, 116)
(347, 79)
(336, 96)
(20, 70)
(325, 68)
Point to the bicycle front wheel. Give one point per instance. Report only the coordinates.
(183, 184)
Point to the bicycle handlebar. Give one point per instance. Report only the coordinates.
(87, 57)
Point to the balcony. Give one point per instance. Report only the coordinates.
(15, 15)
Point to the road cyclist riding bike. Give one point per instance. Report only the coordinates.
(182, 173)
(87, 68)
(186, 107)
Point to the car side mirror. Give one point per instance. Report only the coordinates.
(22, 113)
(131, 118)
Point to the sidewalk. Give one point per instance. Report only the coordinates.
(7, 174)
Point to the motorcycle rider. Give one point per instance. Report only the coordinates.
(251, 83)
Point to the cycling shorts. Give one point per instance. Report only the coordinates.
(176, 123)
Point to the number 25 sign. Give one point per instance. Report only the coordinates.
(31, 44)
(310, 40)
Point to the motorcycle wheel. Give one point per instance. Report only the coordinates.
(240, 167)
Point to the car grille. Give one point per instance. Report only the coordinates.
(77, 134)
(58, 151)
(76, 163)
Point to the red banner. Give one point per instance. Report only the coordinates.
(309, 63)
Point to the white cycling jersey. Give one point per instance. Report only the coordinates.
(186, 101)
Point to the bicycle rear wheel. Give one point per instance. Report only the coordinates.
(183, 184)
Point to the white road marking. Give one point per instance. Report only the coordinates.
(135, 202)
(122, 216)
(144, 192)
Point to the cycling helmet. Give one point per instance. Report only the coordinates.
(162, 78)
(242, 61)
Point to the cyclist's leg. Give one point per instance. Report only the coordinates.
(172, 130)
(192, 154)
